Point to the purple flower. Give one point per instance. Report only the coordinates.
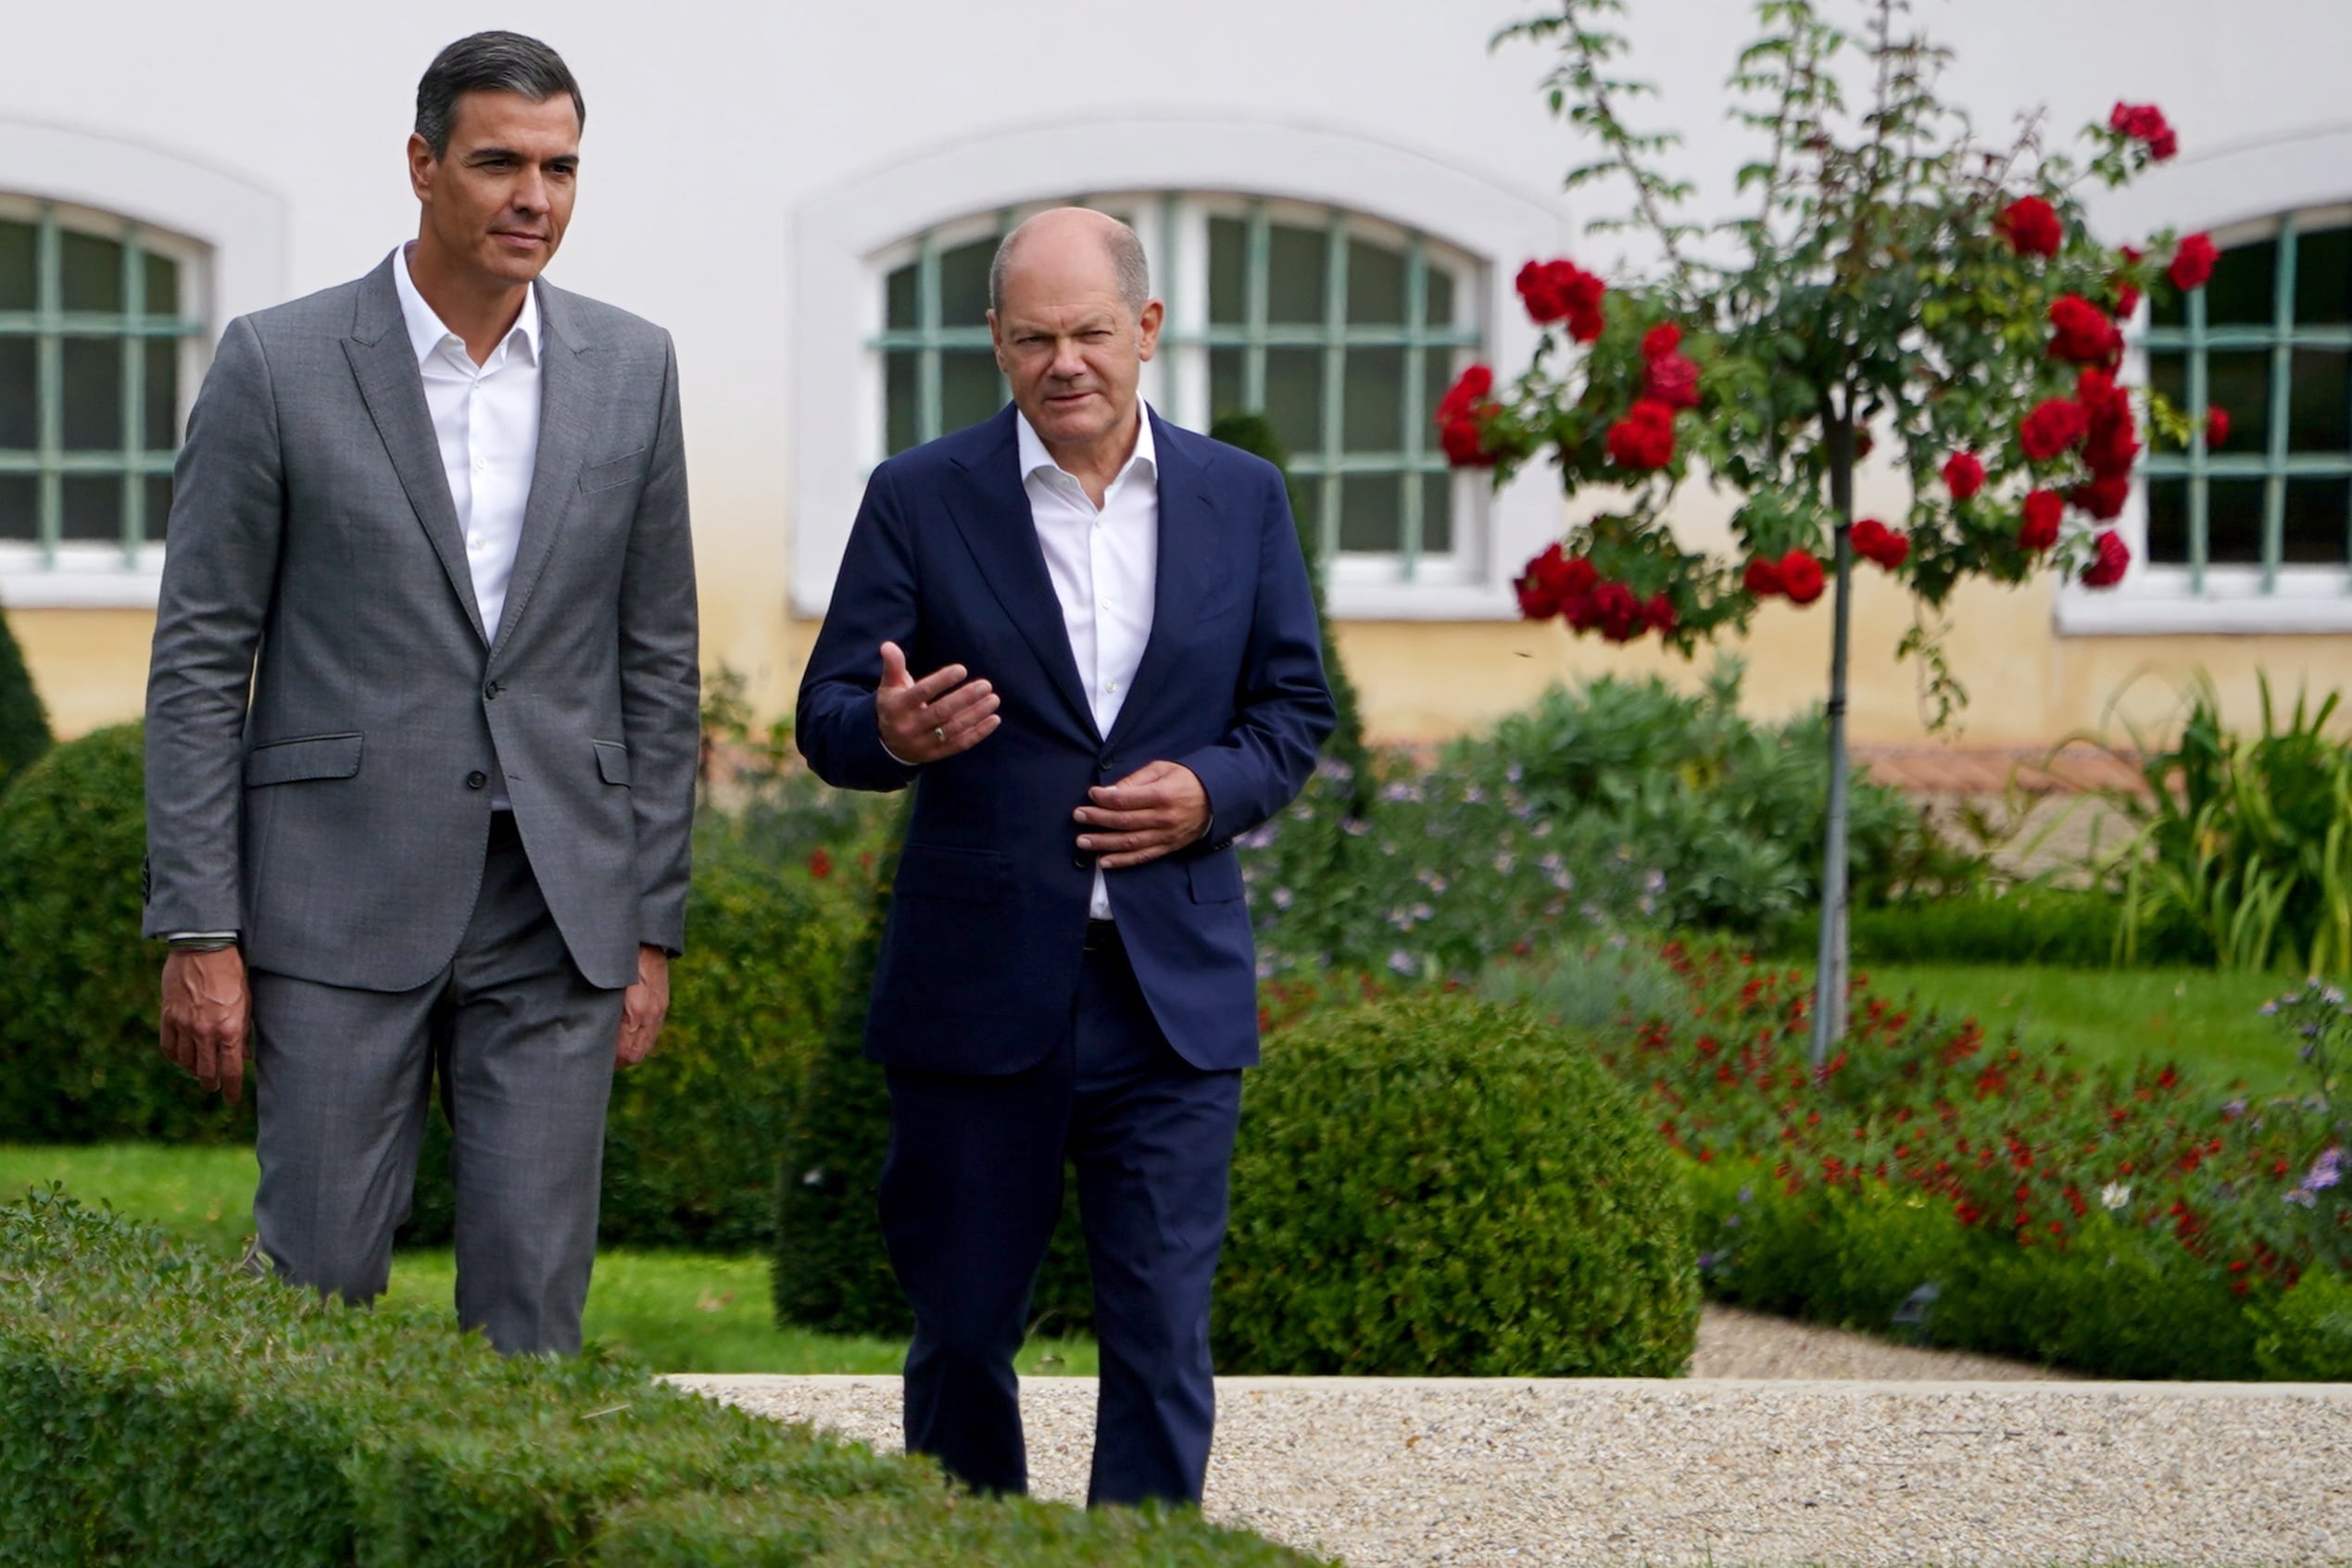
(1747, 1194)
(1706, 1260)
(1355, 827)
(1401, 962)
(2233, 1109)
(1515, 772)
(1282, 897)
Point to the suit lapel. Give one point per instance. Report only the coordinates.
(1002, 536)
(385, 364)
(1189, 562)
(566, 383)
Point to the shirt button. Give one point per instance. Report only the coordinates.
(480, 464)
(476, 542)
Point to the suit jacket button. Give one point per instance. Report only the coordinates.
(477, 779)
(490, 693)
(1083, 861)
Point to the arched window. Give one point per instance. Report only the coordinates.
(100, 330)
(1342, 329)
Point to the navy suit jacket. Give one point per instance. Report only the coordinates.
(979, 964)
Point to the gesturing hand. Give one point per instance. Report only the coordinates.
(644, 1007)
(206, 1016)
(938, 716)
(1159, 807)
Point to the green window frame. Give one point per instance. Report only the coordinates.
(2269, 340)
(1343, 329)
(97, 351)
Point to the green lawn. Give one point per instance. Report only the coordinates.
(677, 1311)
(2206, 1021)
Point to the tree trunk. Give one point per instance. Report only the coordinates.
(1830, 980)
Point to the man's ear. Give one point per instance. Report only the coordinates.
(421, 164)
(1154, 316)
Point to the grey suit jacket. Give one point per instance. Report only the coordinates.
(323, 711)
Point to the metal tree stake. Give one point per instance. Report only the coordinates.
(1828, 986)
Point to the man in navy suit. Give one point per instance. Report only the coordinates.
(1124, 676)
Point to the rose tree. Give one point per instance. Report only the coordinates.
(1894, 281)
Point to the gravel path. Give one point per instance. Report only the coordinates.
(1884, 1466)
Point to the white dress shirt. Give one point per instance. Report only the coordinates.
(1105, 565)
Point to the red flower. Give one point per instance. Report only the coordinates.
(1660, 614)
(820, 864)
(2031, 227)
(1762, 577)
(1874, 541)
(1801, 577)
(2111, 444)
(2145, 123)
(1644, 438)
(1616, 613)
(2193, 262)
(2114, 558)
(2216, 425)
(2042, 510)
(1963, 475)
(2055, 426)
(2103, 497)
(2127, 297)
(2083, 332)
(1551, 580)
(1661, 340)
(1673, 379)
(1561, 290)
(1462, 416)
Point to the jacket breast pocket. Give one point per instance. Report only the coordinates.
(932, 871)
(303, 757)
(616, 471)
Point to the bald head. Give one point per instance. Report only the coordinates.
(1060, 237)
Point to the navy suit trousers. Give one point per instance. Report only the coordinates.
(970, 1194)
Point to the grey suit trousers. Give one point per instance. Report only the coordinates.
(523, 1044)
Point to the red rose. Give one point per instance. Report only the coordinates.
(1461, 415)
(2162, 145)
(2031, 227)
(2193, 262)
(1616, 613)
(1875, 542)
(2111, 444)
(2216, 425)
(1464, 443)
(1963, 475)
(2103, 497)
(2055, 426)
(1661, 340)
(1551, 580)
(2127, 295)
(2113, 560)
(1762, 577)
(820, 864)
(2083, 332)
(2043, 508)
(1659, 613)
(1561, 290)
(1801, 577)
(1673, 379)
(1644, 438)
(2145, 123)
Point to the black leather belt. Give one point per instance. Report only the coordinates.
(1103, 937)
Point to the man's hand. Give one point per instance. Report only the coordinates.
(1159, 807)
(938, 716)
(207, 1016)
(642, 1010)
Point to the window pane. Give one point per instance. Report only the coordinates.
(162, 284)
(1376, 284)
(2167, 308)
(2320, 406)
(897, 401)
(1294, 397)
(18, 250)
(1441, 298)
(93, 393)
(1436, 377)
(19, 430)
(1228, 271)
(1374, 415)
(2241, 293)
(92, 507)
(963, 285)
(968, 391)
(1295, 276)
(1224, 382)
(20, 507)
(899, 300)
(2241, 382)
(163, 394)
(2319, 514)
(1437, 514)
(2168, 378)
(2233, 521)
(2323, 278)
(1372, 515)
(2168, 521)
(91, 271)
(159, 505)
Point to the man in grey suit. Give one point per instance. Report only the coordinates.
(422, 719)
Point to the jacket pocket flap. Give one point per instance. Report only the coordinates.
(309, 757)
(1217, 879)
(929, 871)
(618, 471)
(613, 761)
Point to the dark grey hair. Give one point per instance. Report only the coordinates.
(1126, 259)
(489, 62)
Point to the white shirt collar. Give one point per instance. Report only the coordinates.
(1035, 459)
(427, 331)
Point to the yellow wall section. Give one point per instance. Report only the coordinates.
(90, 666)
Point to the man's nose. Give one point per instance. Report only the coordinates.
(1068, 363)
(531, 193)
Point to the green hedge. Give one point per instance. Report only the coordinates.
(24, 723)
(2074, 927)
(155, 1406)
(1437, 1187)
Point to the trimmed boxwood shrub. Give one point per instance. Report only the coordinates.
(1436, 1187)
(78, 990)
(24, 723)
(157, 1406)
(2075, 927)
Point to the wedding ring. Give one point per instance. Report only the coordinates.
(939, 734)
